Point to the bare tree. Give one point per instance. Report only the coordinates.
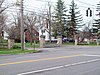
(14, 29)
(30, 22)
(3, 6)
(86, 33)
(3, 18)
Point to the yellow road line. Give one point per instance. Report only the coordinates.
(43, 59)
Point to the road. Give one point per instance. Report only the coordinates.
(67, 60)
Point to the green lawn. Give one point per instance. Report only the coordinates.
(16, 51)
(28, 45)
(17, 48)
(82, 44)
(68, 43)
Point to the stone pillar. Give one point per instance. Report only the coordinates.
(42, 41)
(76, 39)
(10, 43)
(59, 40)
(76, 42)
(98, 41)
(88, 41)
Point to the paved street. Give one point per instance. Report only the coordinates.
(67, 60)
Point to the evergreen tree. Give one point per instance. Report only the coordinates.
(76, 20)
(96, 26)
(59, 22)
(97, 21)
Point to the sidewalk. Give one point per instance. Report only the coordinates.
(45, 49)
(62, 48)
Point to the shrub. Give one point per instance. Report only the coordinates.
(16, 47)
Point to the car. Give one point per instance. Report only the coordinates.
(68, 40)
(53, 40)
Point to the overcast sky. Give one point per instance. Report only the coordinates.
(40, 5)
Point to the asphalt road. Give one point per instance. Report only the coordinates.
(68, 60)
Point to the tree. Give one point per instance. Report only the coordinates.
(12, 32)
(3, 6)
(87, 34)
(97, 21)
(59, 19)
(96, 26)
(76, 20)
(67, 27)
(3, 18)
(14, 29)
(30, 22)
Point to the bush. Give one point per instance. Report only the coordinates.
(16, 47)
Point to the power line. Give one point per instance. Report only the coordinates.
(85, 3)
(31, 10)
(28, 9)
(82, 6)
(45, 1)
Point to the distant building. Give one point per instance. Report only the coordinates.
(2, 34)
(44, 30)
(35, 35)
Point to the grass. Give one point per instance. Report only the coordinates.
(68, 43)
(17, 48)
(82, 44)
(27, 45)
(16, 51)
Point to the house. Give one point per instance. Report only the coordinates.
(38, 30)
(35, 35)
(44, 29)
(2, 34)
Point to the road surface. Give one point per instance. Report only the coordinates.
(67, 60)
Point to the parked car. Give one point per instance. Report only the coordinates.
(53, 40)
(68, 40)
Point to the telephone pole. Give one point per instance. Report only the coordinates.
(49, 15)
(22, 26)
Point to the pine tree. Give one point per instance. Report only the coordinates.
(96, 26)
(76, 20)
(97, 21)
(58, 26)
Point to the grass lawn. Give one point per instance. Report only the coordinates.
(28, 45)
(17, 48)
(16, 51)
(69, 43)
(82, 44)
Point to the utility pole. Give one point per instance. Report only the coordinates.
(49, 21)
(22, 26)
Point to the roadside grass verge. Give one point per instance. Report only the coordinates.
(81, 44)
(16, 51)
(70, 44)
(28, 45)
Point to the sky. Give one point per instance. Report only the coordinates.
(42, 5)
